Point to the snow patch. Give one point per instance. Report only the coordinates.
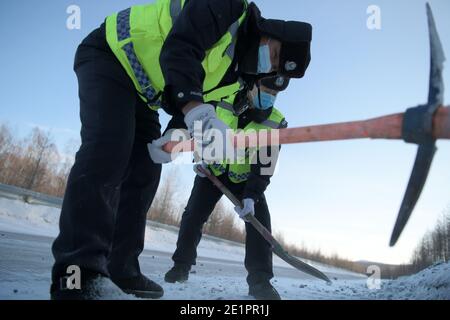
(431, 283)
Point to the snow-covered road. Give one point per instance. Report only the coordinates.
(27, 232)
(26, 262)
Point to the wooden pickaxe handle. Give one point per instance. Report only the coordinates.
(387, 127)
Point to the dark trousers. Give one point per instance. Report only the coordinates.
(203, 199)
(113, 181)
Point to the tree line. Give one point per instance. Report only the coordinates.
(33, 162)
(434, 246)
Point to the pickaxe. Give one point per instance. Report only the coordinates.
(421, 125)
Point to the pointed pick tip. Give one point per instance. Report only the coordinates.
(431, 22)
(437, 49)
(398, 228)
(326, 279)
(429, 10)
(392, 242)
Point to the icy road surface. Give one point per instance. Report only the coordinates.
(26, 262)
(27, 232)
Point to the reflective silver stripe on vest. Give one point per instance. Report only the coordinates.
(218, 167)
(271, 124)
(225, 105)
(123, 24)
(123, 32)
(239, 177)
(139, 72)
(231, 174)
(175, 9)
(233, 31)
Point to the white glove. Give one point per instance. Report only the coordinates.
(156, 151)
(249, 208)
(204, 166)
(211, 135)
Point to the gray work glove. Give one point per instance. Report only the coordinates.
(249, 208)
(204, 166)
(200, 121)
(156, 151)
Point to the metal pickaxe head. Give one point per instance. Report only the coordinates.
(417, 128)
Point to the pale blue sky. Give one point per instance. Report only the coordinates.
(341, 197)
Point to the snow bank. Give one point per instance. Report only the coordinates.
(20, 217)
(432, 283)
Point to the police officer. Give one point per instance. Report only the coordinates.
(170, 54)
(247, 180)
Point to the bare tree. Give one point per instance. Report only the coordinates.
(32, 163)
(214, 224)
(434, 246)
(41, 152)
(165, 208)
(60, 178)
(446, 234)
(6, 143)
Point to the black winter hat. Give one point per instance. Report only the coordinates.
(295, 38)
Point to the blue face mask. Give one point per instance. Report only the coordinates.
(267, 100)
(264, 63)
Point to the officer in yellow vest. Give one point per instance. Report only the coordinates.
(168, 54)
(247, 181)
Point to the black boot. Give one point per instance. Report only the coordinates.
(93, 286)
(140, 286)
(178, 273)
(263, 291)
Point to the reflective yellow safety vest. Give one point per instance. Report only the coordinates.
(136, 36)
(239, 172)
(224, 93)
